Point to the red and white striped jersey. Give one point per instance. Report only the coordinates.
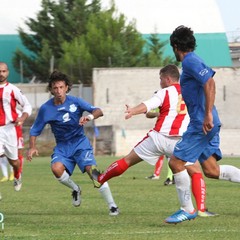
(173, 118)
(10, 97)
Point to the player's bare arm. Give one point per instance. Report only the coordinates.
(32, 148)
(209, 90)
(141, 108)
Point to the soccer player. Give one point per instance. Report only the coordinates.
(170, 125)
(64, 114)
(201, 140)
(159, 164)
(4, 164)
(11, 97)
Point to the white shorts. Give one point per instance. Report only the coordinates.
(154, 145)
(9, 141)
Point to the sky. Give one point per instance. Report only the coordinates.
(13, 13)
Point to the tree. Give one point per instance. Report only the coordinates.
(154, 53)
(74, 31)
(109, 42)
(55, 23)
(79, 36)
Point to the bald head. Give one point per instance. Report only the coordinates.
(3, 72)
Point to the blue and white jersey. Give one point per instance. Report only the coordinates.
(194, 75)
(63, 119)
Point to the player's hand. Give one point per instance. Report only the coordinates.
(128, 112)
(208, 123)
(30, 153)
(19, 121)
(83, 120)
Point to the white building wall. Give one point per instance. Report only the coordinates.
(115, 87)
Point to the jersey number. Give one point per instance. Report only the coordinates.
(181, 106)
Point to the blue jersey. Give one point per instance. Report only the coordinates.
(63, 119)
(194, 75)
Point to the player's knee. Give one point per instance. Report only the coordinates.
(57, 169)
(176, 165)
(213, 173)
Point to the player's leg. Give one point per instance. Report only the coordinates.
(20, 146)
(11, 152)
(186, 150)
(222, 172)
(63, 176)
(199, 189)
(157, 169)
(211, 169)
(170, 179)
(17, 175)
(105, 192)
(4, 167)
(119, 167)
(11, 177)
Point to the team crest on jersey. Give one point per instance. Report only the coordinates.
(66, 117)
(72, 108)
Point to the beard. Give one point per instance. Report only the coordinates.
(177, 56)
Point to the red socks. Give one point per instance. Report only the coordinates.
(115, 169)
(20, 157)
(158, 166)
(199, 191)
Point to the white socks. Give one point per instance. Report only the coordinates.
(67, 181)
(4, 166)
(229, 173)
(107, 195)
(183, 187)
(104, 189)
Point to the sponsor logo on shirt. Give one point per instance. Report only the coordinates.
(66, 117)
(203, 72)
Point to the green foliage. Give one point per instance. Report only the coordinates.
(55, 23)
(107, 43)
(80, 36)
(154, 53)
(42, 210)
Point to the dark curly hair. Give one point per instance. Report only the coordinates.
(183, 39)
(59, 76)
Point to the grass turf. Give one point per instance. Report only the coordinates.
(43, 210)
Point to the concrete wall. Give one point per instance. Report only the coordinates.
(115, 87)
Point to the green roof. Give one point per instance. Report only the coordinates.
(8, 45)
(212, 47)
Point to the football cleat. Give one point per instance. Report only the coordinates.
(4, 179)
(11, 178)
(206, 213)
(76, 197)
(114, 211)
(94, 175)
(17, 183)
(169, 182)
(153, 177)
(181, 216)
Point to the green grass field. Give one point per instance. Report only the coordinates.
(43, 210)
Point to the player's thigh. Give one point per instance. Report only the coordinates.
(148, 151)
(59, 163)
(8, 142)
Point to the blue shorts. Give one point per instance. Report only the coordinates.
(197, 146)
(79, 151)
